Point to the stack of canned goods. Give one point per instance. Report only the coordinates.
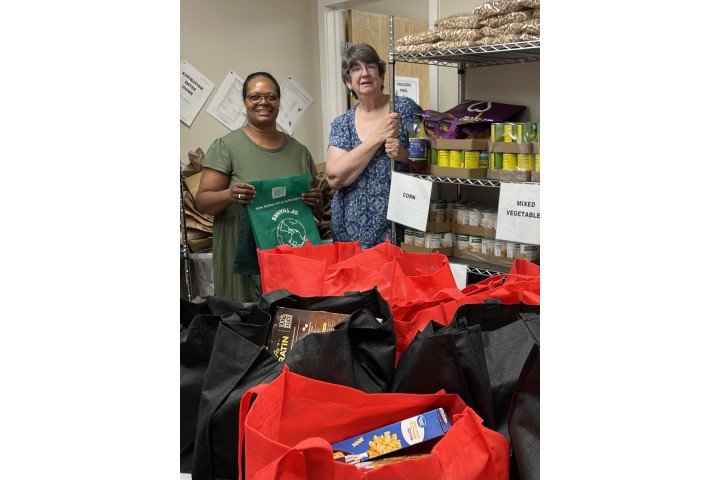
(462, 158)
(513, 133)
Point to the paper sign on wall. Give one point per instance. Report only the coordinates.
(228, 104)
(519, 213)
(295, 101)
(195, 89)
(408, 87)
(409, 201)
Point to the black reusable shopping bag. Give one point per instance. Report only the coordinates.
(358, 353)
(239, 361)
(478, 355)
(524, 419)
(451, 358)
(198, 324)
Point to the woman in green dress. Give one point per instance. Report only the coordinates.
(256, 151)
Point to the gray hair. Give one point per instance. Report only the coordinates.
(362, 52)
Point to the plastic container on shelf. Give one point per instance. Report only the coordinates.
(201, 274)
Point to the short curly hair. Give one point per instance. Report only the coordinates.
(362, 52)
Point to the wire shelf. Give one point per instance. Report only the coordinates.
(477, 56)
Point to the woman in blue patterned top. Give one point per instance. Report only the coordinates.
(362, 142)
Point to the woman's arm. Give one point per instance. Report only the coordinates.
(343, 167)
(214, 195)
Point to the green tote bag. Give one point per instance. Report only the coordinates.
(278, 216)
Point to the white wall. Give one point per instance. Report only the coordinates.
(283, 38)
(277, 36)
(518, 84)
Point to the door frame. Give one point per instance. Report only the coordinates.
(331, 26)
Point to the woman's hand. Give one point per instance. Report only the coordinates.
(389, 126)
(242, 193)
(395, 150)
(312, 198)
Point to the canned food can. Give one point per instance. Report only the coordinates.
(510, 132)
(509, 161)
(419, 238)
(438, 211)
(463, 243)
(432, 240)
(486, 246)
(456, 159)
(513, 249)
(443, 158)
(449, 210)
(496, 161)
(475, 243)
(489, 219)
(471, 159)
(484, 159)
(537, 162)
(409, 236)
(530, 253)
(447, 239)
(474, 217)
(499, 249)
(526, 132)
(525, 162)
(461, 214)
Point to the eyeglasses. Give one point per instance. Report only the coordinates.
(356, 70)
(270, 97)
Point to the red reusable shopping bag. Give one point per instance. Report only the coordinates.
(301, 270)
(287, 431)
(520, 285)
(329, 270)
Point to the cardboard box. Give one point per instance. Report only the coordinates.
(473, 230)
(472, 256)
(508, 257)
(392, 438)
(535, 176)
(406, 247)
(439, 227)
(375, 464)
(510, 147)
(458, 172)
(461, 144)
(292, 324)
(509, 175)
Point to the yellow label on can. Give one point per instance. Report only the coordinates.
(443, 158)
(472, 159)
(525, 162)
(509, 161)
(456, 159)
(537, 162)
(508, 134)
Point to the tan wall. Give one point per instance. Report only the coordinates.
(277, 36)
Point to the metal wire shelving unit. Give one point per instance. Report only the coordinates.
(461, 59)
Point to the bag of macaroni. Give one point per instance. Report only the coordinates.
(287, 427)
